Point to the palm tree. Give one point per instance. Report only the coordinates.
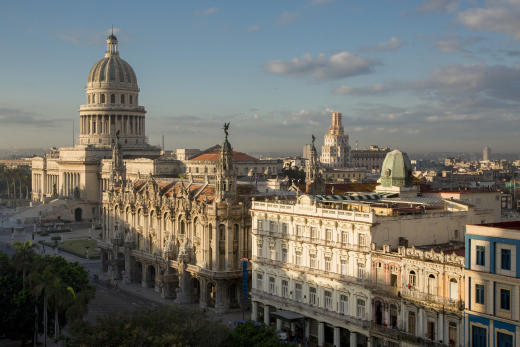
(61, 297)
(24, 257)
(42, 281)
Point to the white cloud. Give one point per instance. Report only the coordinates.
(288, 17)
(252, 28)
(390, 45)
(320, 2)
(503, 20)
(340, 65)
(455, 44)
(377, 88)
(439, 6)
(210, 10)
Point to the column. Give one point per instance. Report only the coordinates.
(353, 339)
(307, 329)
(420, 323)
(369, 341)
(266, 315)
(229, 247)
(440, 328)
(321, 334)
(144, 274)
(337, 336)
(254, 310)
(278, 324)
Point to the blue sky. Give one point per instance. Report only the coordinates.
(433, 75)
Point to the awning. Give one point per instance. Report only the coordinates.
(287, 315)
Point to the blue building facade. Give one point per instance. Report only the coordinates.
(492, 271)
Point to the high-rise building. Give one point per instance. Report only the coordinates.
(486, 154)
(335, 151)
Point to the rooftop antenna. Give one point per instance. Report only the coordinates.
(163, 143)
(73, 144)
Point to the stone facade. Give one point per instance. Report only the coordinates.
(185, 239)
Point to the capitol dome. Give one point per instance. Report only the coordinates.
(112, 111)
(112, 70)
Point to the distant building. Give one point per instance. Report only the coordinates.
(186, 153)
(335, 151)
(370, 158)
(306, 154)
(486, 154)
(492, 284)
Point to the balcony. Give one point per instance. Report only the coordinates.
(317, 312)
(413, 294)
(311, 240)
(401, 335)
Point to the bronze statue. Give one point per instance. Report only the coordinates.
(313, 139)
(226, 128)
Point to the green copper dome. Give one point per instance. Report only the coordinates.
(396, 170)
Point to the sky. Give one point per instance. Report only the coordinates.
(421, 76)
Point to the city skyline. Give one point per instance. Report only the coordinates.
(427, 76)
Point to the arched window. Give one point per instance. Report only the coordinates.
(222, 232)
(131, 99)
(88, 99)
(454, 289)
(432, 285)
(102, 98)
(93, 98)
(412, 279)
(112, 98)
(181, 229)
(122, 98)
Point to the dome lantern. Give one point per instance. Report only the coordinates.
(111, 45)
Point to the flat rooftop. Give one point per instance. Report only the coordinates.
(513, 225)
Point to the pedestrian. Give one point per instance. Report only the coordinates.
(43, 248)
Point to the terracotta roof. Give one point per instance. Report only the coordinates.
(215, 155)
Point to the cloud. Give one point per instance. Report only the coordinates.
(504, 20)
(288, 17)
(454, 44)
(337, 66)
(391, 45)
(320, 2)
(375, 89)
(210, 10)
(252, 28)
(90, 38)
(429, 6)
(20, 117)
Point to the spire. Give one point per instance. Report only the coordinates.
(226, 175)
(313, 180)
(112, 48)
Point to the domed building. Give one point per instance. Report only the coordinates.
(111, 123)
(396, 175)
(112, 103)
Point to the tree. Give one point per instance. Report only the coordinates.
(251, 334)
(24, 257)
(30, 283)
(161, 327)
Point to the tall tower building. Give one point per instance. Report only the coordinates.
(486, 153)
(335, 152)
